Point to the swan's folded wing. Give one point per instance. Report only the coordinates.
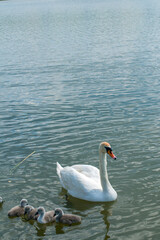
(49, 216)
(76, 183)
(88, 170)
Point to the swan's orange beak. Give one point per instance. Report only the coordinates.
(112, 155)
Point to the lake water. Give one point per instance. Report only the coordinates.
(74, 73)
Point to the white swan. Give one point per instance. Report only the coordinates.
(88, 182)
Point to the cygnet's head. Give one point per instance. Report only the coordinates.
(58, 211)
(23, 202)
(28, 209)
(105, 147)
(40, 211)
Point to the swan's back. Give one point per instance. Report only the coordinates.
(16, 211)
(70, 219)
(31, 212)
(49, 216)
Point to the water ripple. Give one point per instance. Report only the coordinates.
(85, 73)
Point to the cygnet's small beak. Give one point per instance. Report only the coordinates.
(36, 213)
(112, 155)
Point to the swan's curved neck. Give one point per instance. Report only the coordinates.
(58, 217)
(40, 217)
(103, 171)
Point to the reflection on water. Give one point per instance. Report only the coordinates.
(41, 229)
(83, 207)
(1, 205)
(59, 229)
(106, 212)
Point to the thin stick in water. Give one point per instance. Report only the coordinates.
(21, 162)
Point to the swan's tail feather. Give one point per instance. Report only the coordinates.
(59, 168)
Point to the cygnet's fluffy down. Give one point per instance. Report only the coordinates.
(18, 211)
(68, 219)
(45, 217)
(30, 212)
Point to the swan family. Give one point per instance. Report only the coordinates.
(88, 182)
(85, 182)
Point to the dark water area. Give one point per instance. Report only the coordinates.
(74, 74)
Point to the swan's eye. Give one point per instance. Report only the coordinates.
(108, 149)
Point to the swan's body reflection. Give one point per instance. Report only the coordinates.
(106, 212)
(1, 202)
